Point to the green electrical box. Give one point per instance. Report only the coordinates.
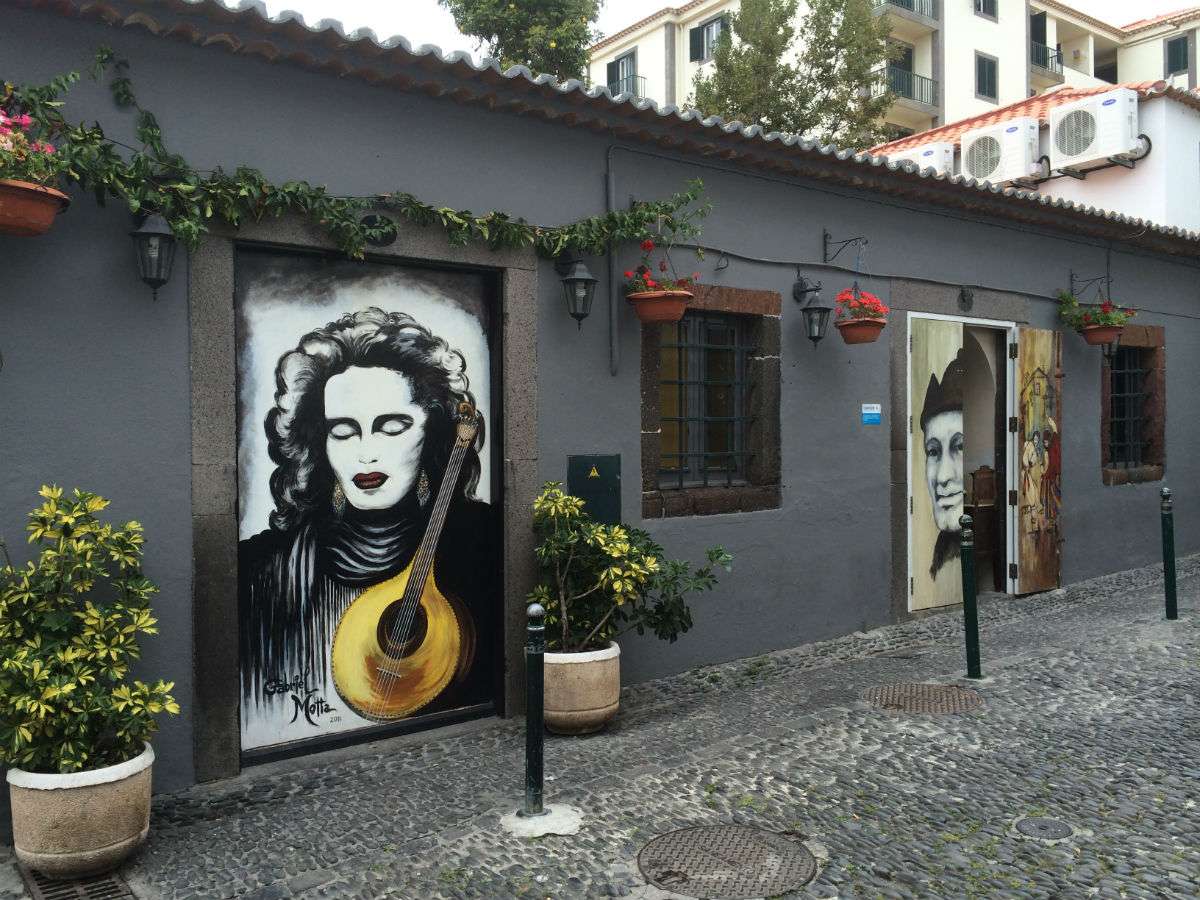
(597, 481)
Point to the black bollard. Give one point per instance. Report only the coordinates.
(1168, 538)
(970, 607)
(535, 676)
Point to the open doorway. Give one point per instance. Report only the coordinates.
(985, 451)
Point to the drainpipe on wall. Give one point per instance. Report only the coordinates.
(614, 310)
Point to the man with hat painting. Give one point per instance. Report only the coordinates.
(942, 425)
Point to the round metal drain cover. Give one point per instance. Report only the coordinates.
(726, 862)
(1044, 829)
(923, 698)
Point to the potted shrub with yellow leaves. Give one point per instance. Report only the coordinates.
(599, 582)
(73, 725)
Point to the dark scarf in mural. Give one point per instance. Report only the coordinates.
(297, 584)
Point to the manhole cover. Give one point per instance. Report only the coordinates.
(726, 862)
(98, 887)
(923, 698)
(1044, 829)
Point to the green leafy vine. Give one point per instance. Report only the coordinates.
(152, 179)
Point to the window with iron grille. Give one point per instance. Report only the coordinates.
(703, 386)
(1133, 408)
(1127, 405)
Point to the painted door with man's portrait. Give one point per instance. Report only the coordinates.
(936, 482)
(1039, 455)
(368, 564)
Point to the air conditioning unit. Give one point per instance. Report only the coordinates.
(1002, 152)
(938, 156)
(1095, 130)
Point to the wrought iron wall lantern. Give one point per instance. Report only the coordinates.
(816, 311)
(579, 286)
(155, 245)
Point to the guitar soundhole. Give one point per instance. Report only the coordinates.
(393, 639)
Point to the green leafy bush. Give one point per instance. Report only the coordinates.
(601, 581)
(69, 625)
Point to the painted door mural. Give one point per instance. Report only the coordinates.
(936, 483)
(1039, 459)
(368, 564)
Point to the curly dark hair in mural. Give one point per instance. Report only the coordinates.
(303, 481)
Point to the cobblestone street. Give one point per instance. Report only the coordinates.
(1090, 717)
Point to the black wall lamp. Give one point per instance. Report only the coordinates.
(155, 244)
(816, 312)
(579, 286)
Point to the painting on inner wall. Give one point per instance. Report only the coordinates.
(937, 483)
(368, 564)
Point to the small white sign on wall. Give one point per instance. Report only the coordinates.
(872, 413)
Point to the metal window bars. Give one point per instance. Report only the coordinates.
(1126, 411)
(705, 414)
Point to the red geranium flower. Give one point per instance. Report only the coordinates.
(647, 245)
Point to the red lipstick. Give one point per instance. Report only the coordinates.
(368, 481)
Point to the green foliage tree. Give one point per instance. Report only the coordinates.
(600, 581)
(821, 81)
(69, 626)
(544, 35)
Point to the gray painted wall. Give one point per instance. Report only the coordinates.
(95, 390)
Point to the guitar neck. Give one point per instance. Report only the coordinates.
(423, 561)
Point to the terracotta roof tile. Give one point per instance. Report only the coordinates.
(1165, 18)
(1038, 107)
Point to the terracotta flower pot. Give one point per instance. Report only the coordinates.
(860, 331)
(82, 823)
(583, 690)
(26, 209)
(1101, 334)
(659, 306)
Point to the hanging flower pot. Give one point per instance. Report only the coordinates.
(659, 306)
(1100, 324)
(659, 299)
(1101, 334)
(28, 209)
(860, 331)
(861, 316)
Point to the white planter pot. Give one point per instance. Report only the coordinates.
(583, 690)
(81, 823)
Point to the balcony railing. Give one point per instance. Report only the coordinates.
(1045, 57)
(630, 84)
(909, 85)
(926, 8)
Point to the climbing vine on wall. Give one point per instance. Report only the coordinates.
(151, 179)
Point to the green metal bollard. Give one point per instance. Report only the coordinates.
(970, 607)
(1168, 536)
(535, 675)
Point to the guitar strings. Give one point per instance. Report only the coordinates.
(415, 586)
(421, 569)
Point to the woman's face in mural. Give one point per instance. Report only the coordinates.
(944, 468)
(374, 432)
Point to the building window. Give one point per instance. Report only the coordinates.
(702, 400)
(1133, 395)
(710, 416)
(987, 77)
(1177, 55)
(986, 8)
(622, 75)
(703, 38)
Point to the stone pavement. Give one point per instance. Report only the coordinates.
(1090, 717)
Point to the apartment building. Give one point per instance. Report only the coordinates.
(955, 58)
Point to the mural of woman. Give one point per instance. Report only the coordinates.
(942, 425)
(366, 418)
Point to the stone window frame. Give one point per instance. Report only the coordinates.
(1153, 338)
(761, 490)
(216, 698)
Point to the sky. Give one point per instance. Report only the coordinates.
(425, 22)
